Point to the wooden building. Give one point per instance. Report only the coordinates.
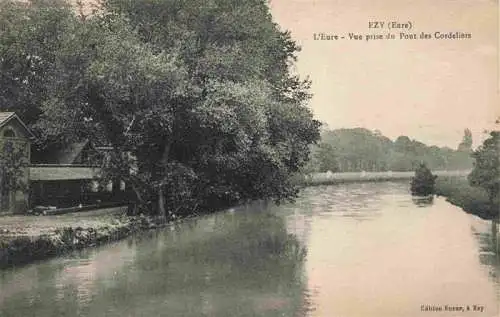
(59, 176)
(15, 152)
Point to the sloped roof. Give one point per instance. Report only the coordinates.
(69, 154)
(6, 116)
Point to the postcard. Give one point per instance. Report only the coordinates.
(313, 158)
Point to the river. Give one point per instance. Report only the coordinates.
(344, 250)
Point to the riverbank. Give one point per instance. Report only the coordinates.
(263, 262)
(328, 178)
(25, 239)
(471, 199)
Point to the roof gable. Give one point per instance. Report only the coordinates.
(6, 117)
(70, 153)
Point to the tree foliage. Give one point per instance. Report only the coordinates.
(358, 149)
(196, 98)
(326, 158)
(466, 144)
(423, 182)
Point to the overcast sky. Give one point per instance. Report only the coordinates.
(430, 90)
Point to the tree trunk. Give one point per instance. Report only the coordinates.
(115, 189)
(161, 204)
(161, 193)
(137, 194)
(2, 203)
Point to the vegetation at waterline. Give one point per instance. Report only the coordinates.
(479, 192)
(486, 172)
(195, 98)
(253, 255)
(422, 184)
(358, 149)
(18, 249)
(459, 192)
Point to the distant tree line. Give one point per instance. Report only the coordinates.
(195, 97)
(358, 149)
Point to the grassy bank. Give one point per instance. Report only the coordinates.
(316, 179)
(25, 239)
(471, 199)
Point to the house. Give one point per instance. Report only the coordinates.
(67, 176)
(75, 154)
(15, 152)
(58, 176)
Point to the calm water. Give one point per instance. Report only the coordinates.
(350, 250)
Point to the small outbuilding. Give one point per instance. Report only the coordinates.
(62, 176)
(15, 145)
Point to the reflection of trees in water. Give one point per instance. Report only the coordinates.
(64, 286)
(423, 202)
(32, 292)
(240, 264)
(228, 264)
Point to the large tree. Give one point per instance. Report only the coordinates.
(466, 144)
(244, 126)
(486, 171)
(196, 98)
(30, 38)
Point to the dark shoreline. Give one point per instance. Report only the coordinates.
(21, 250)
(317, 179)
(472, 200)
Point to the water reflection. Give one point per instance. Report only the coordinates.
(233, 264)
(388, 256)
(422, 201)
(359, 202)
(489, 253)
(347, 250)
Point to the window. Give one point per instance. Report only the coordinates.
(9, 133)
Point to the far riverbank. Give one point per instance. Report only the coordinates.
(25, 239)
(452, 185)
(328, 178)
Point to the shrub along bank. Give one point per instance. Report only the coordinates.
(473, 200)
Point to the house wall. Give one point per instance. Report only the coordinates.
(60, 177)
(16, 201)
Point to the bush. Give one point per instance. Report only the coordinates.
(473, 200)
(423, 182)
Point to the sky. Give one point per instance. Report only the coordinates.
(429, 90)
